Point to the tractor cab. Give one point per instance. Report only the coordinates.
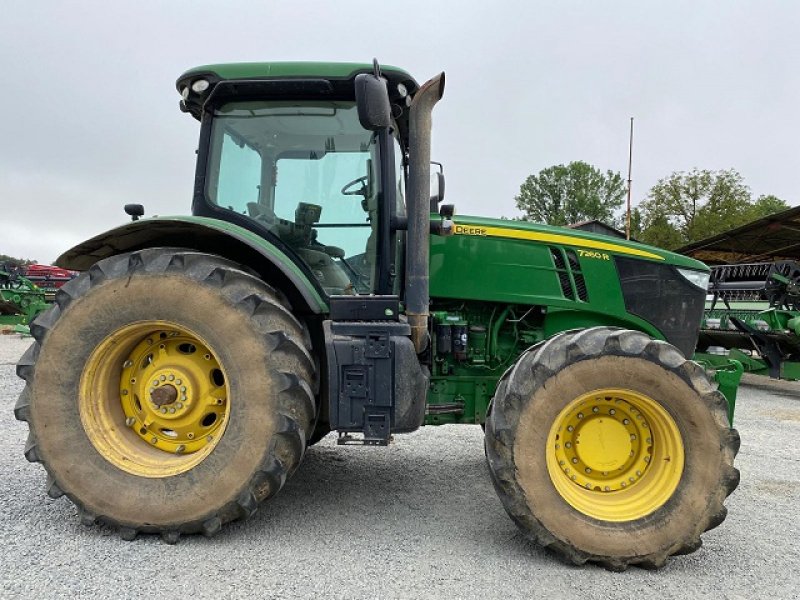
(289, 159)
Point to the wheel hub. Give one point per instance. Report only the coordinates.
(164, 395)
(172, 392)
(604, 444)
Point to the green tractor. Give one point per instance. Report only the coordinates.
(320, 285)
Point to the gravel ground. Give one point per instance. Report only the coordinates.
(416, 520)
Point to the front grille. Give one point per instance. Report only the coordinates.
(660, 295)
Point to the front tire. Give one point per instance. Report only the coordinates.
(168, 392)
(607, 446)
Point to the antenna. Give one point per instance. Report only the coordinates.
(630, 166)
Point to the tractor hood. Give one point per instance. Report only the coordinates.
(564, 236)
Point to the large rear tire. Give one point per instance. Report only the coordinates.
(167, 392)
(607, 446)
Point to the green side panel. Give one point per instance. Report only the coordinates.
(187, 231)
(523, 263)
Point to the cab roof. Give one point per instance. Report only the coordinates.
(300, 78)
(323, 70)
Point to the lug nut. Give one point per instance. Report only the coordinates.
(580, 415)
(574, 461)
(172, 377)
(130, 421)
(612, 412)
(155, 382)
(179, 406)
(595, 409)
(588, 470)
(625, 421)
(172, 411)
(190, 435)
(127, 364)
(568, 445)
(570, 428)
(124, 392)
(180, 449)
(164, 411)
(154, 440)
(183, 388)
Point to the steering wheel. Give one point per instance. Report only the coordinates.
(362, 191)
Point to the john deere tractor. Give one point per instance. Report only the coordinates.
(319, 285)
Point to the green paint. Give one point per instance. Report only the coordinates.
(258, 70)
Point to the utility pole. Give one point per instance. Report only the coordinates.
(630, 164)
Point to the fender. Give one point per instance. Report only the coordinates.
(204, 235)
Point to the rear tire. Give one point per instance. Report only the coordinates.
(656, 462)
(226, 434)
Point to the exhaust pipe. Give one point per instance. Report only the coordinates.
(419, 206)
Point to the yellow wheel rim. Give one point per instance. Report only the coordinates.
(154, 399)
(615, 455)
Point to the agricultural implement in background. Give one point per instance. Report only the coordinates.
(48, 278)
(320, 286)
(20, 299)
(753, 317)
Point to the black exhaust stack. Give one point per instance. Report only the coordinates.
(419, 205)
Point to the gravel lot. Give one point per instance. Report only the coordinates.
(416, 520)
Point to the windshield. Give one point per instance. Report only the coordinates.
(307, 171)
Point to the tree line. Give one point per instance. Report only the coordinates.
(12, 261)
(681, 208)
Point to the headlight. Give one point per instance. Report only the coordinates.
(200, 86)
(698, 278)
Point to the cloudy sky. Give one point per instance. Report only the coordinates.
(90, 118)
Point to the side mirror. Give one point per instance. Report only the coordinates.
(438, 195)
(372, 99)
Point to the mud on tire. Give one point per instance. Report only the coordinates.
(522, 428)
(262, 348)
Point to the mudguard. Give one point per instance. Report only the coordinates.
(205, 235)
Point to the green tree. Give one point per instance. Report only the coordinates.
(15, 262)
(561, 195)
(767, 205)
(686, 207)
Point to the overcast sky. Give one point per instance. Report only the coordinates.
(90, 117)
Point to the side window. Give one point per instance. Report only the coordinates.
(239, 177)
(343, 217)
